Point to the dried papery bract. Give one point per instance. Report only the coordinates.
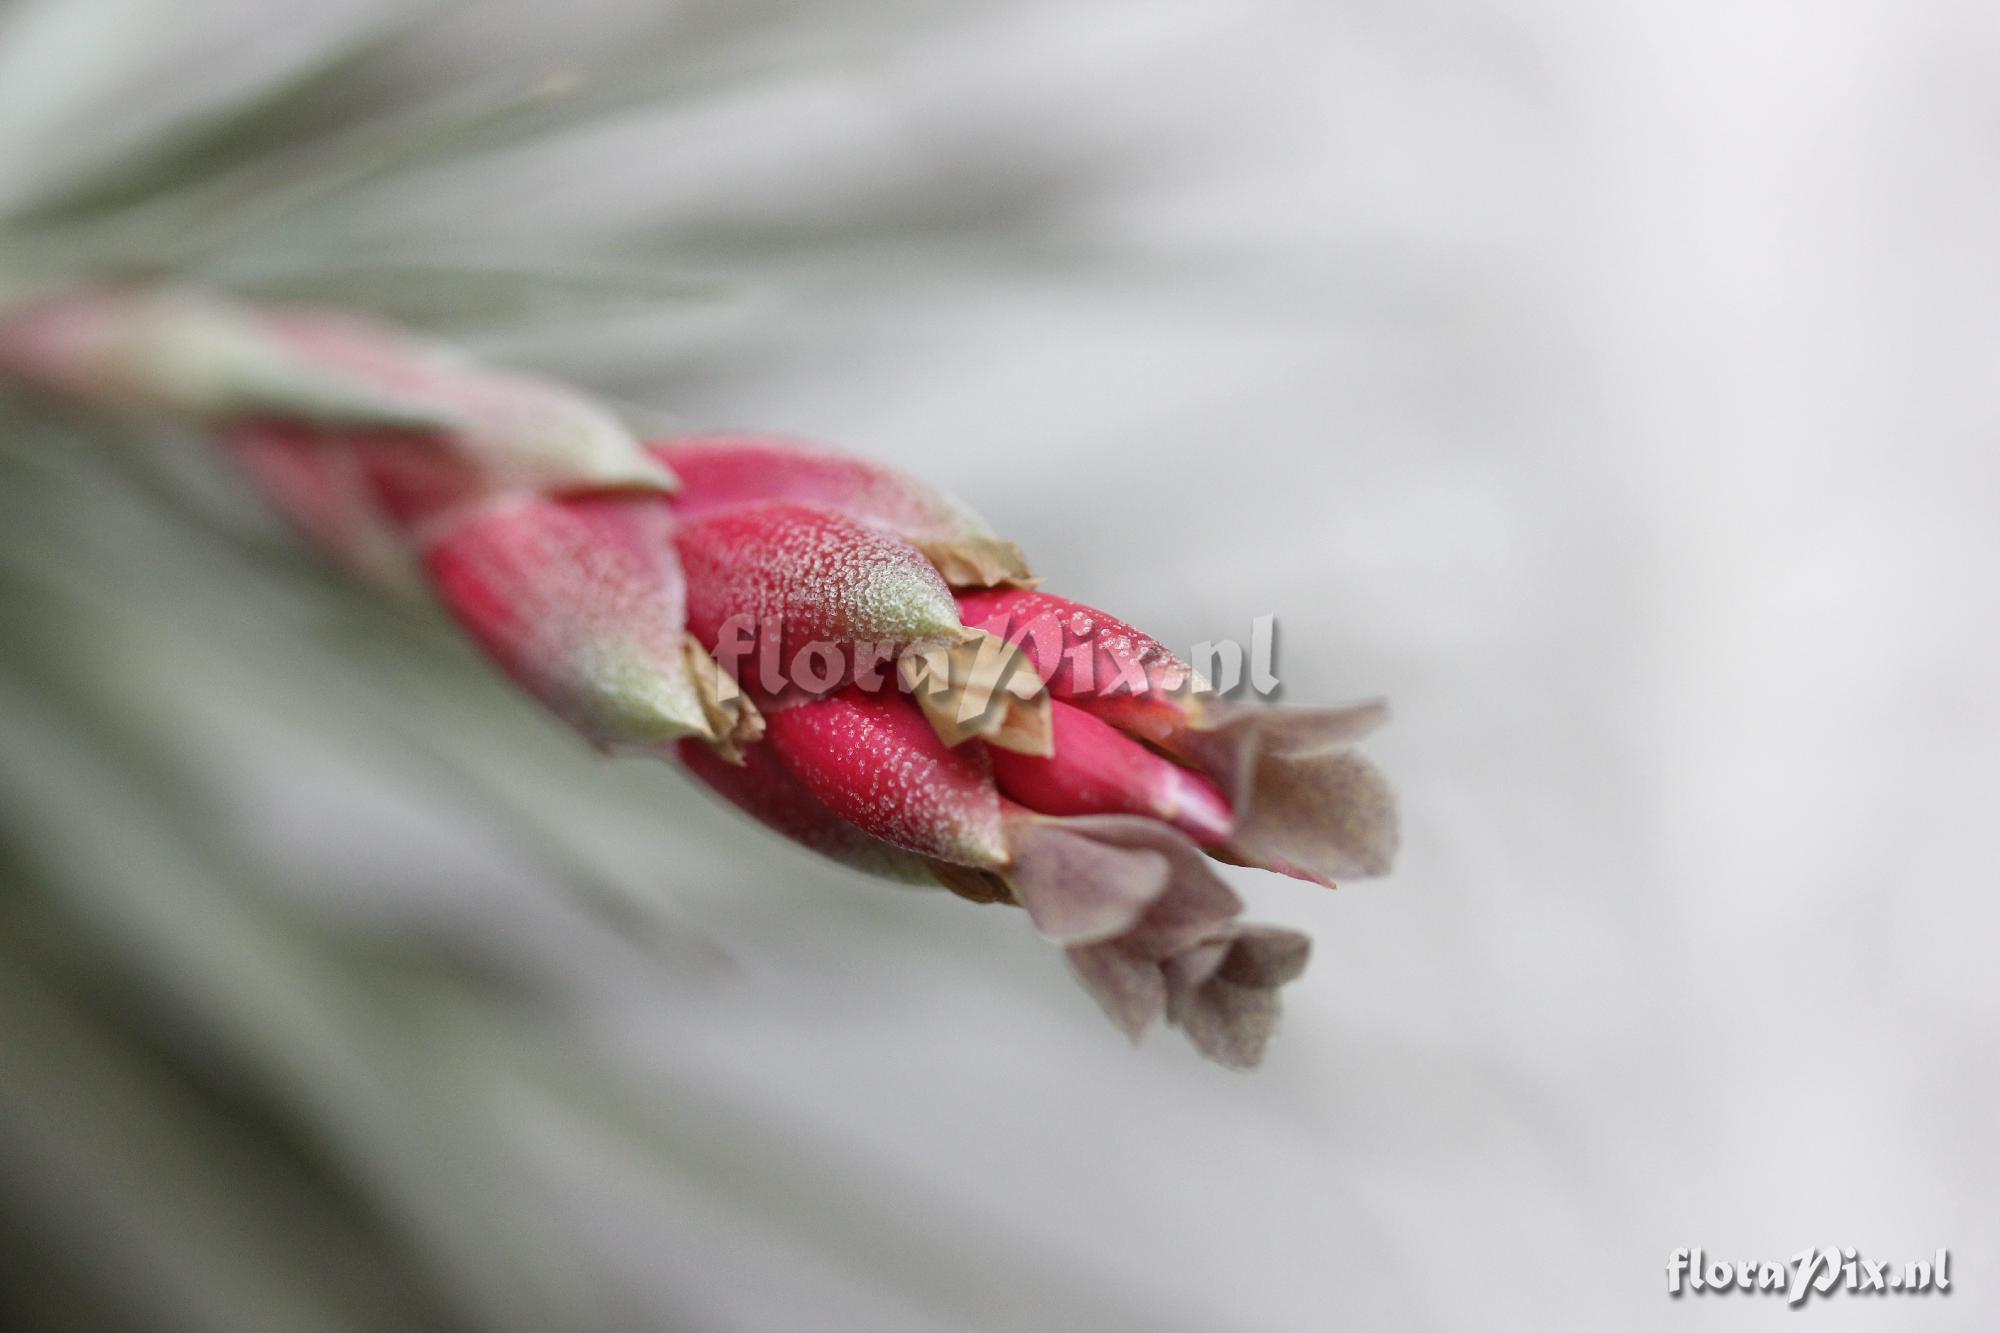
(980, 687)
(734, 722)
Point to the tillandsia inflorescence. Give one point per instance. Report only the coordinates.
(850, 656)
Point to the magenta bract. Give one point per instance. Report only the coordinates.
(874, 760)
(1097, 770)
(727, 471)
(762, 787)
(581, 602)
(1089, 659)
(768, 582)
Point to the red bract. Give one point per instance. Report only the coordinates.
(1096, 770)
(1089, 659)
(874, 760)
(723, 472)
(1306, 803)
(762, 787)
(785, 594)
(580, 602)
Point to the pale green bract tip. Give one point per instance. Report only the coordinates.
(213, 362)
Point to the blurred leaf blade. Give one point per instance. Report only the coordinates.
(335, 86)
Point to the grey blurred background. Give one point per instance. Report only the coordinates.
(1608, 385)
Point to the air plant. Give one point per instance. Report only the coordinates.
(850, 656)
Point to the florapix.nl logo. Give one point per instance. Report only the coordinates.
(1810, 1272)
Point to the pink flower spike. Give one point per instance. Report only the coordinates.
(764, 789)
(1097, 770)
(1038, 754)
(580, 602)
(1091, 660)
(783, 593)
(874, 760)
(728, 471)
